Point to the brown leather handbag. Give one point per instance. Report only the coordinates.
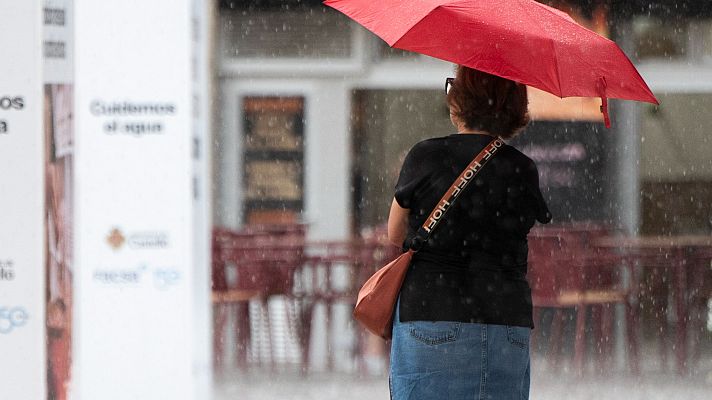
(377, 297)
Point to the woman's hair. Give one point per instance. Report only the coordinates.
(488, 103)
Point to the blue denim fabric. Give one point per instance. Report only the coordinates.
(458, 361)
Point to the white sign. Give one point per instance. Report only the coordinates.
(22, 333)
(141, 271)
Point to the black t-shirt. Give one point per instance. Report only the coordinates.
(473, 267)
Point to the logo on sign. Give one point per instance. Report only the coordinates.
(120, 276)
(147, 240)
(163, 278)
(54, 16)
(12, 318)
(55, 49)
(115, 239)
(7, 270)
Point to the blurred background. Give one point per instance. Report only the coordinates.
(314, 117)
(309, 119)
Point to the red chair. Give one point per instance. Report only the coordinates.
(566, 273)
(265, 262)
(356, 260)
(317, 286)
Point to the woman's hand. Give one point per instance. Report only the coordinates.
(397, 224)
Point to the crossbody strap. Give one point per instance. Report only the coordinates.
(455, 189)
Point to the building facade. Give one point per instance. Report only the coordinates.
(315, 115)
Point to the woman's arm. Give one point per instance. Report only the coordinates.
(397, 224)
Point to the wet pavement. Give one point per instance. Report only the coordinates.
(546, 385)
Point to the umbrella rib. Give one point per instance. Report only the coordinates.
(553, 47)
(556, 64)
(412, 27)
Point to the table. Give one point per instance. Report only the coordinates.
(673, 252)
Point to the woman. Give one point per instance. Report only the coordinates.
(461, 328)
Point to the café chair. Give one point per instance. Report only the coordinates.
(263, 264)
(332, 275)
(565, 273)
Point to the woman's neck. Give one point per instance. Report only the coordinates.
(472, 132)
(463, 129)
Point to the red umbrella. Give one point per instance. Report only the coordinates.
(521, 40)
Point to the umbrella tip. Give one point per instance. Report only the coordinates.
(601, 87)
(604, 110)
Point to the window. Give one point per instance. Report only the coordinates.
(675, 167)
(674, 39)
(274, 159)
(304, 32)
(655, 38)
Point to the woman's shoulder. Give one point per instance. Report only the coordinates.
(521, 163)
(428, 146)
(518, 156)
(431, 142)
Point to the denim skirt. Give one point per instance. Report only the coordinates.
(458, 361)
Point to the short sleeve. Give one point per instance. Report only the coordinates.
(543, 214)
(410, 177)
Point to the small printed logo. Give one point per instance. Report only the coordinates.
(7, 270)
(54, 16)
(165, 278)
(115, 239)
(120, 276)
(148, 240)
(12, 318)
(145, 240)
(55, 49)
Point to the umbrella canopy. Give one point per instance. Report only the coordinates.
(521, 40)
